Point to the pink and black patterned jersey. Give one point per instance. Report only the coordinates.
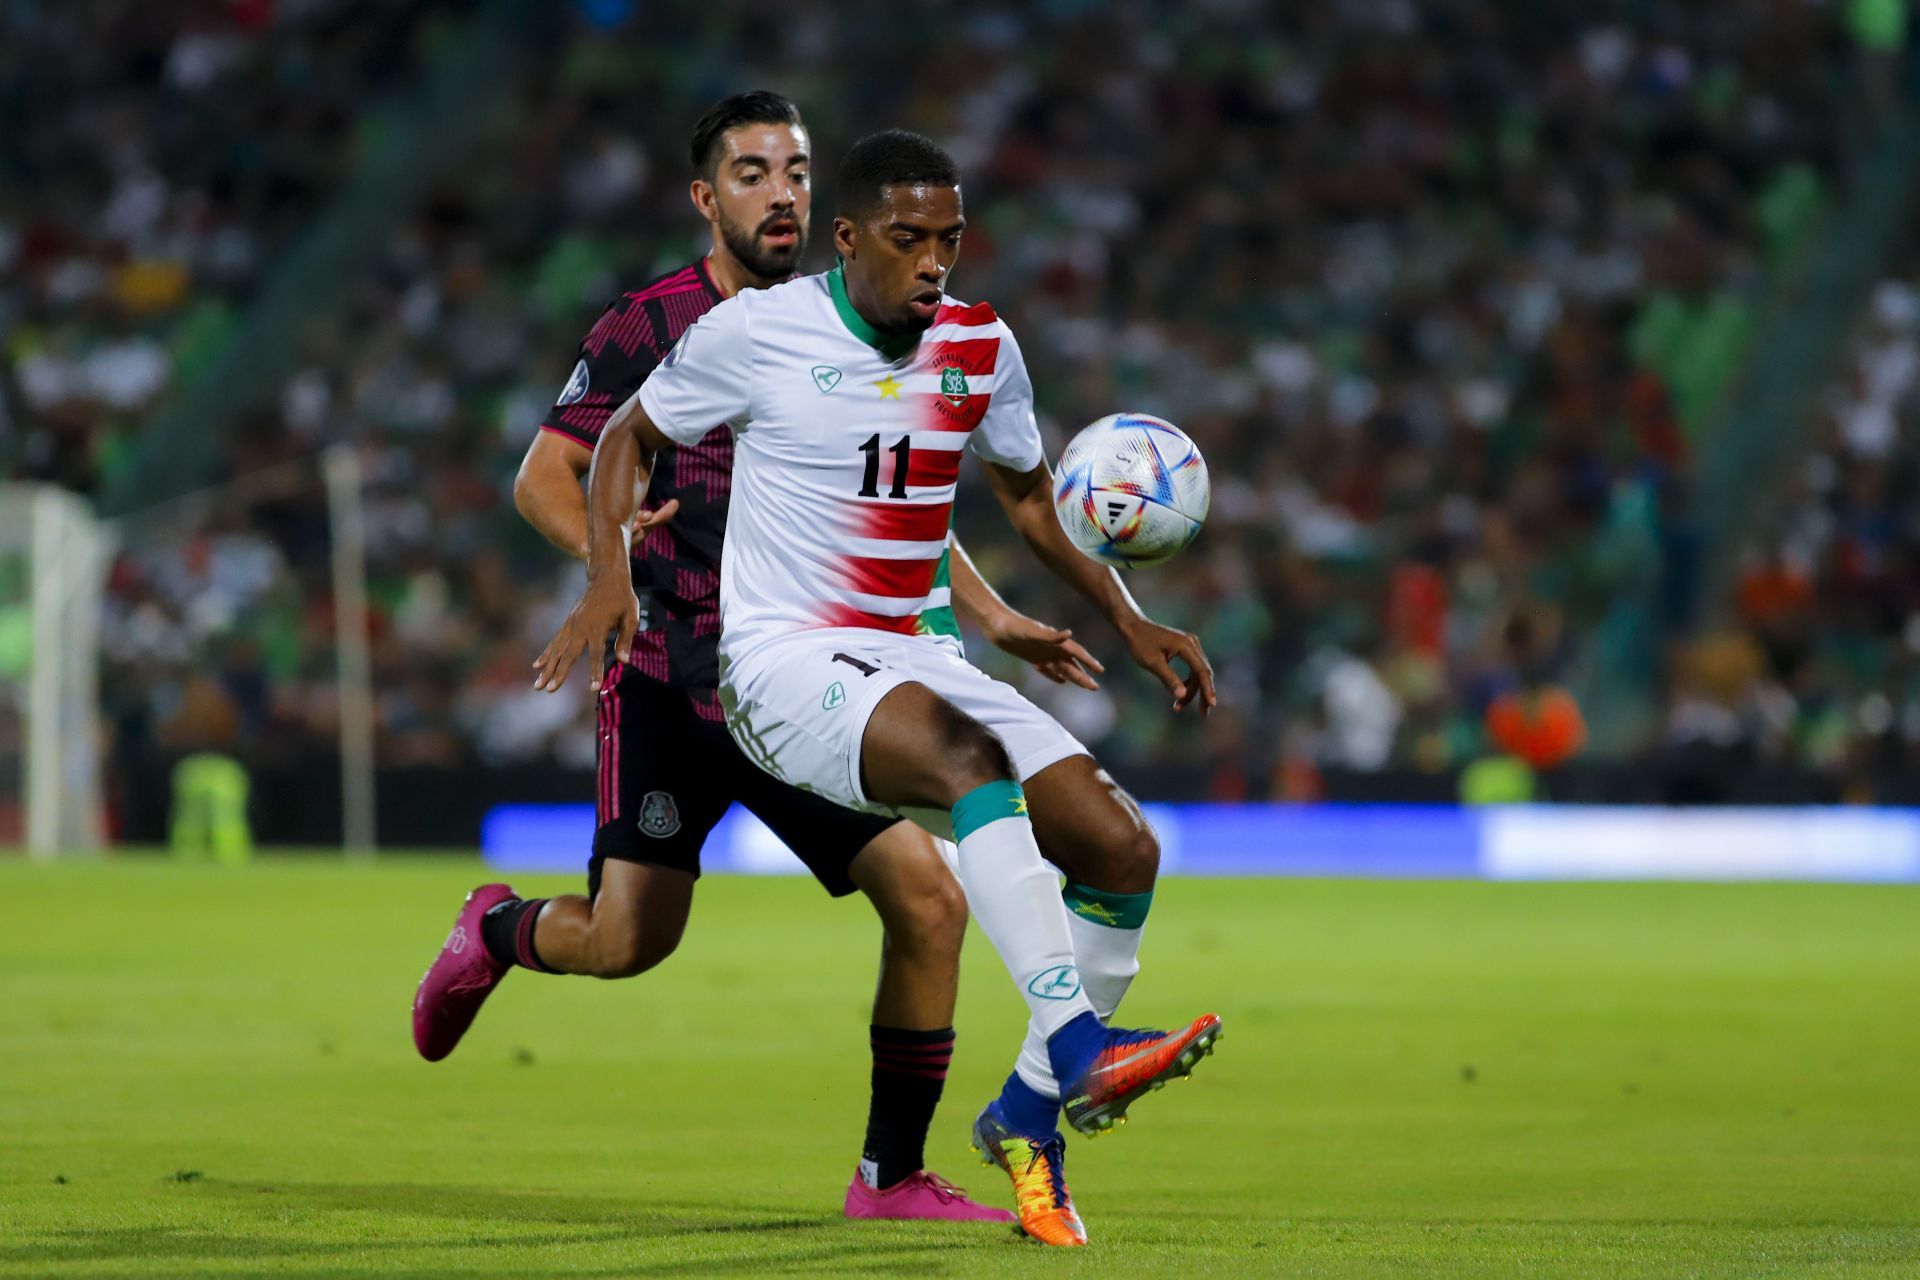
(676, 566)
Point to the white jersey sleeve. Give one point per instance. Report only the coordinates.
(1008, 434)
(706, 380)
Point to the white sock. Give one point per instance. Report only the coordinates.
(1108, 957)
(1016, 898)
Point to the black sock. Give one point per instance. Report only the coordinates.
(507, 931)
(909, 1071)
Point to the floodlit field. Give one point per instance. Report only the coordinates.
(208, 1072)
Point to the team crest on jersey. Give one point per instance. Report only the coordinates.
(576, 385)
(659, 815)
(825, 377)
(953, 385)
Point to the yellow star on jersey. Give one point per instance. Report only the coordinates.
(1020, 805)
(889, 389)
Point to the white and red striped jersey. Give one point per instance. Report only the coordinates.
(847, 452)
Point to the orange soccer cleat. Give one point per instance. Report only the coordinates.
(1038, 1167)
(1133, 1063)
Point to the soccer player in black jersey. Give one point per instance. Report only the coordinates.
(667, 768)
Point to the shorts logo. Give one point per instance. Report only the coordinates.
(1058, 983)
(825, 377)
(659, 815)
(836, 694)
(953, 384)
(679, 349)
(576, 387)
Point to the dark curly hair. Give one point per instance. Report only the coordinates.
(891, 159)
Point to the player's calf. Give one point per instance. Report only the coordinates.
(634, 920)
(578, 937)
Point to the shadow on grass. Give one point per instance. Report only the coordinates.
(298, 1222)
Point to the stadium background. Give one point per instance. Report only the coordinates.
(1558, 364)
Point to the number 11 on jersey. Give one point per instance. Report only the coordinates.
(902, 452)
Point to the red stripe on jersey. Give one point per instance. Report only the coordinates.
(902, 579)
(902, 522)
(934, 466)
(973, 356)
(978, 313)
(944, 415)
(845, 615)
(976, 356)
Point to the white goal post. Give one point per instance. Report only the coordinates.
(54, 557)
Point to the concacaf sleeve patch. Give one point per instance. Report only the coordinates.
(576, 385)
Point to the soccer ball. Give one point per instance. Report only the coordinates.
(1132, 490)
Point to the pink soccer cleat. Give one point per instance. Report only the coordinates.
(461, 978)
(921, 1197)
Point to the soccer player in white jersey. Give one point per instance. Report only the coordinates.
(852, 396)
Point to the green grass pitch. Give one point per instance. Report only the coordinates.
(208, 1072)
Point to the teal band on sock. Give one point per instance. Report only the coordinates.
(1114, 910)
(986, 803)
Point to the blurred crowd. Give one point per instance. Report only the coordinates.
(158, 158)
(1446, 292)
(1821, 662)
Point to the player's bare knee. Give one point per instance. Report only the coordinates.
(1110, 846)
(1133, 861)
(925, 915)
(940, 914)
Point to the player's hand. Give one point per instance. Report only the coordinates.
(1156, 647)
(1054, 653)
(665, 512)
(608, 607)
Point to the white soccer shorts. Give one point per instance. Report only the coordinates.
(799, 705)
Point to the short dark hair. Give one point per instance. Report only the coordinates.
(759, 106)
(890, 159)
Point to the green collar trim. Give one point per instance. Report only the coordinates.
(890, 345)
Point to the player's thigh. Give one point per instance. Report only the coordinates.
(1033, 739)
(1088, 826)
(662, 781)
(799, 708)
(826, 836)
(922, 754)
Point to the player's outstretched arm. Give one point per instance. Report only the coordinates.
(1027, 498)
(1052, 651)
(622, 466)
(548, 495)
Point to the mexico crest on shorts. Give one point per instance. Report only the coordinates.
(659, 815)
(953, 384)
